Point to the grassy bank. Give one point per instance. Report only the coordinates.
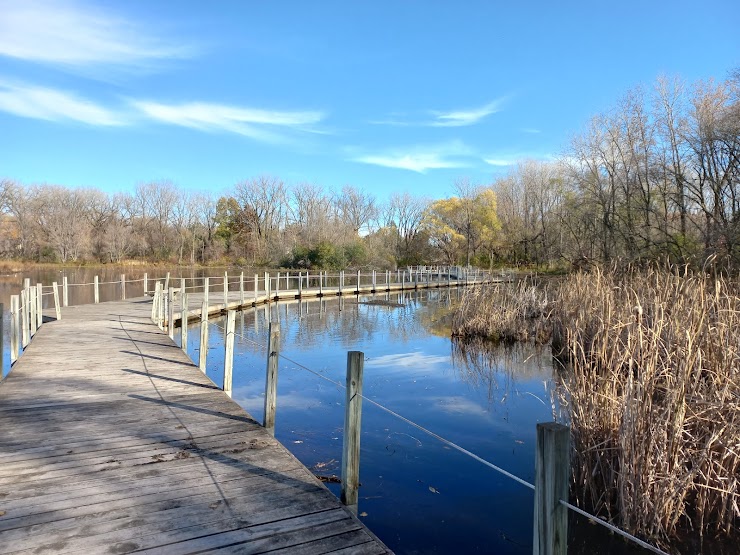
(651, 378)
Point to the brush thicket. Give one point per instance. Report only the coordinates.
(651, 378)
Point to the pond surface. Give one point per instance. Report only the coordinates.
(418, 494)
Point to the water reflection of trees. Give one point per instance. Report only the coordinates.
(351, 322)
(498, 369)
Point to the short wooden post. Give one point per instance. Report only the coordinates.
(155, 301)
(146, 284)
(57, 309)
(203, 349)
(26, 283)
(375, 280)
(256, 287)
(403, 280)
(24, 316)
(277, 285)
(267, 285)
(171, 312)
(359, 278)
(163, 306)
(184, 320)
(123, 287)
(273, 352)
(321, 284)
(2, 340)
(352, 420)
(226, 289)
(39, 305)
(65, 292)
(206, 287)
(341, 281)
(551, 469)
(96, 289)
(241, 289)
(229, 351)
(300, 285)
(15, 325)
(32, 304)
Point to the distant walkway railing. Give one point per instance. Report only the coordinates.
(26, 309)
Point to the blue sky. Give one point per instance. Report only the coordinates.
(385, 95)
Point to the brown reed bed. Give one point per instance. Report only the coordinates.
(651, 378)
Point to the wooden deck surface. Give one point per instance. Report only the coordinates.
(112, 441)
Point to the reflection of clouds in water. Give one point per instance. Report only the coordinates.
(252, 397)
(407, 360)
(459, 405)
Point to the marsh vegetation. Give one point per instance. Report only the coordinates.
(650, 376)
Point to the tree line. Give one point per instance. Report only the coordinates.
(656, 176)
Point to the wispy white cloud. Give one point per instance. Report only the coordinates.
(499, 162)
(530, 130)
(459, 118)
(503, 160)
(250, 122)
(54, 105)
(421, 158)
(78, 35)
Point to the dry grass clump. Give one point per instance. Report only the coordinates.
(504, 312)
(653, 391)
(651, 379)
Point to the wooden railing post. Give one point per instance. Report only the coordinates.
(57, 309)
(39, 305)
(171, 312)
(96, 289)
(321, 284)
(273, 353)
(226, 289)
(277, 285)
(167, 282)
(184, 320)
(14, 328)
(65, 292)
(2, 340)
(155, 304)
(359, 278)
(551, 468)
(203, 349)
(341, 281)
(300, 285)
(241, 289)
(33, 305)
(229, 351)
(123, 287)
(206, 287)
(256, 287)
(267, 285)
(352, 421)
(24, 314)
(146, 284)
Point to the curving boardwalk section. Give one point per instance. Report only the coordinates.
(112, 441)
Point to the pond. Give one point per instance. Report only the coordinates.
(418, 494)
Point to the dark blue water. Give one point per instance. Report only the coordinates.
(418, 494)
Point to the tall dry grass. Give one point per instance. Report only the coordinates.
(652, 384)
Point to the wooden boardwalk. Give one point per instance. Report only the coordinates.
(112, 441)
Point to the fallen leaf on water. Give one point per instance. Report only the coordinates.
(2, 513)
(433, 490)
(363, 513)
